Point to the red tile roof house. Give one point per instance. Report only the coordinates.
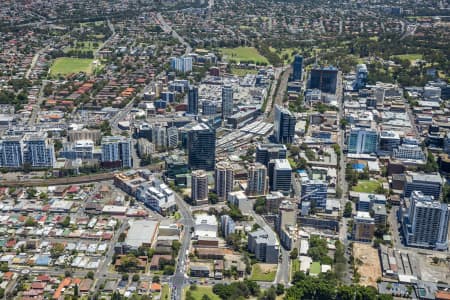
(8, 276)
(43, 278)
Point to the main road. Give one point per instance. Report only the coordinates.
(179, 280)
(282, 275)
(168, 29)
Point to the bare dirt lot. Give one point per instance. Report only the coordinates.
(434, 268)
(369, 264)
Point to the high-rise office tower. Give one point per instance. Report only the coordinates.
(324, 79)
(192, 100)
(209, 108)
(116, 151)
(284, 127)
(201, 147)
(227, 101)
(224, 180)
(425, 222)
(282, 176)
(257, 179)
(266, 152)
(199, 187)
(362, 141)
(297, 67)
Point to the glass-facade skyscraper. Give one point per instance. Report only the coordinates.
(297, 66)
(227, 101)
(324, 79)
(284, 129)
(201, 146)
(192, 100)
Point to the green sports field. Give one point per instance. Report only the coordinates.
(68, 65)
(243, 54)
(366, 186)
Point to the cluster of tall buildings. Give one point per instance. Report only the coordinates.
(369, 141)
(271, 171)
(116, 152)
(208, 107)
(161, 135)
(113, 152)
(181, 64)
(33, 149)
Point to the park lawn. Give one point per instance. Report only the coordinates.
(200, 291)
(259, 275)
(87, 46)
(89, 24)
(410, 57)
(68, 65)
(366, 186)
(244, 54)
(315, 268)
(290, 54)
(165, 292)
(295, 266)
(243, 72)
(244, 27)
